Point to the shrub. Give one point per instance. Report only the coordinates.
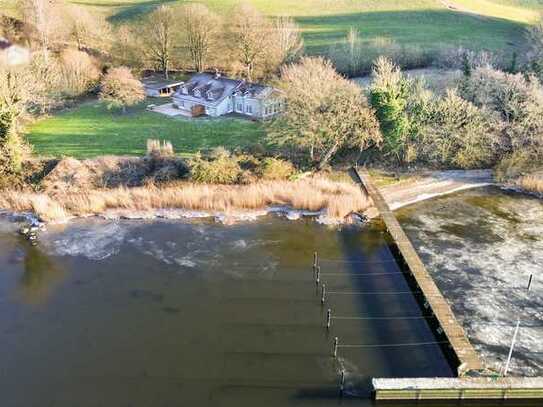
(221, 170)
(458, 134)
(518, 100)
(276, 169)
(79, 72)
(120, 89)
(157, 149)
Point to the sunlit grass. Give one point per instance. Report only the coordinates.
(91, 130)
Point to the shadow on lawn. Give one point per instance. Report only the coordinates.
(127, 11)
(431, 28)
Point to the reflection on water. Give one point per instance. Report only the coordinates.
(198, 314)
(481, 247)
(40, 277)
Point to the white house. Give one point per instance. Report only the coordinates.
(215, 96)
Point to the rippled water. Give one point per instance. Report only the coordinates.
(194, 313)
(174, 313)
(481, 247)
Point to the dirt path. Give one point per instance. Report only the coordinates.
(433, 184)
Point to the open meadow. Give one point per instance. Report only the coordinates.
(429, 24)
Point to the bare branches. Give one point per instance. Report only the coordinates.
(201, 30)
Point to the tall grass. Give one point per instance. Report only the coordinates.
(336, 199)
(532, 183)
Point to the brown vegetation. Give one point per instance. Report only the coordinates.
(531, 183)
(119, 88)
(313, 194)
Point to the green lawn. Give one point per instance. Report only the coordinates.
(91, 130)
(489, 24)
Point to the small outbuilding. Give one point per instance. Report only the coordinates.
(160, 87)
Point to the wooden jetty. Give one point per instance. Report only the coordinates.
(473, 382)
(467, 357)
(465, 388)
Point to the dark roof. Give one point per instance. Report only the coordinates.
(159, 83)
(4, 43)
(212, 89)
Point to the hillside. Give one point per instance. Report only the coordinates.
(428, 24)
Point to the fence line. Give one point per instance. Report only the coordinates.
(393, 345)
(357, 261)
(383, 318)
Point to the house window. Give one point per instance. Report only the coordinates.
(240, 107)
(249, 109)
(182, 103)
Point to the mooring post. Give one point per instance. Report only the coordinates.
(328, 318)
(342, 382)
(506, 368)
(323, 294)
(336, 343)
(318, 276)
(530, 282)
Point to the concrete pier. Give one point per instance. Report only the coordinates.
(467, 357)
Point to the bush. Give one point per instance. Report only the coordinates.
(275, 169)
(79, 72)
(223, 169)
(458, 134)
(518, 100)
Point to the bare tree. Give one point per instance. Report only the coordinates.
(159, 36)
(119, 88)
(250, 38)
(201, 30)
(288, 41)
(126, 47)
(79, 72)
(46, 18)
(86, 29)
(324, 112)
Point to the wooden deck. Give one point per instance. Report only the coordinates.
(465, 388)
(467, 357)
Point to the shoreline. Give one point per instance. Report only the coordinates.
(432, 185)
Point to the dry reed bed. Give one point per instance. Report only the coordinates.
(338, 199)
(532, 183)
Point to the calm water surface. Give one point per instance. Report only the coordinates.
(200, 314)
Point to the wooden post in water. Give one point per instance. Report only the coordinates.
(323, 294)
(336, 343)
(328, 318)
(530, 282)
(318, 276)
(342, 382)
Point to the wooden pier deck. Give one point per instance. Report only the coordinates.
(467, 357)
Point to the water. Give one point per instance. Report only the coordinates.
(481, 247)
(178, 313)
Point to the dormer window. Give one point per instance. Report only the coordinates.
(210, 95)
(184, 90)
(197, 93)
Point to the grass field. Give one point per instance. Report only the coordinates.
(91, 130)
(429, 24)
